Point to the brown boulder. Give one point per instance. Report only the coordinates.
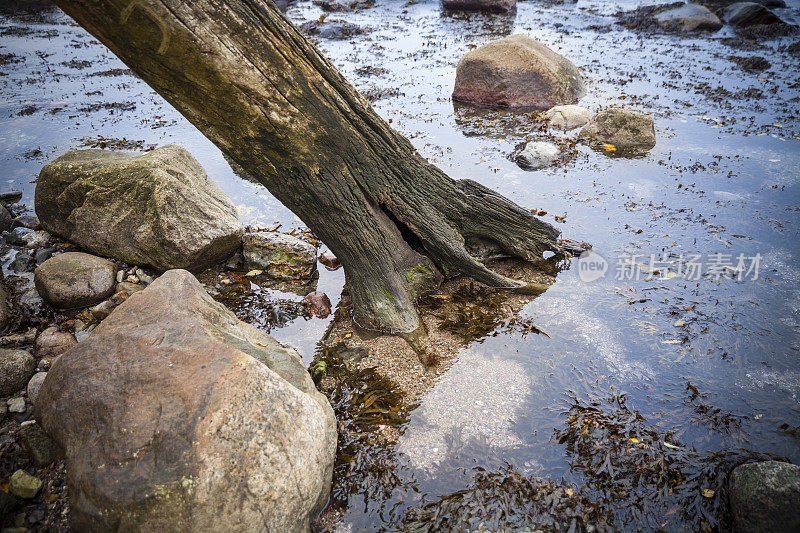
(176, 416)
(51, 342)
(517, 71)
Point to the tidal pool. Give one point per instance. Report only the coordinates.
(681, 323)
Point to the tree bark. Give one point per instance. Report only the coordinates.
(258, 89)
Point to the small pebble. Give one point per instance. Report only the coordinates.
(24, 485)
(16, 405)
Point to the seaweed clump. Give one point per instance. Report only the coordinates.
(371, 413)
(506, 500)
(473, 312)
(651, 480)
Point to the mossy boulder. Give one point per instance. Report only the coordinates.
(765, 497)
(625, 130)
(158, 208)
(280, 255)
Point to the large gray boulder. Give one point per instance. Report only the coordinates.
(176, 416)
(517, 71)
(158, 208)
(765, 497)
(688, 18)
(492, 6)
(626, 130)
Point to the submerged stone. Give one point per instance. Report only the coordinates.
(280, 255)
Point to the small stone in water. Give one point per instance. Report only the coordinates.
(537, 154)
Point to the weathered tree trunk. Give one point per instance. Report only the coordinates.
(247, 78)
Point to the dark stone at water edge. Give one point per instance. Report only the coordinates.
(765, 497)
(491, 6)
(5, 219)
(744, 14)
(10, 196)
(751, 64)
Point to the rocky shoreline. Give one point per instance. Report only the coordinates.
(105, 275)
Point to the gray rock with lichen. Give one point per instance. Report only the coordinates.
(279, 255)
(622, 128)
(765, 497)
(16, 368)
(75, 279)
(158, 208)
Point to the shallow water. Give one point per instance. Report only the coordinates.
(723, 179)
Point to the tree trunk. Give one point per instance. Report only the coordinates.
(253, 84)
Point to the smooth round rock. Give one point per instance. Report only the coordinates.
(517, 71)
(75, 279)
(16, 369)
(688, 18)
(537, 154)
(51, 342)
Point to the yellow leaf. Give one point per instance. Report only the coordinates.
(634, 440)
(708, 493)
(670, 275)
(254, 273)
(609, 147)
(348, 335)
(569, 491)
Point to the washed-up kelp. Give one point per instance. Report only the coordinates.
(506, 500)
(370, 412)
(650, 479)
